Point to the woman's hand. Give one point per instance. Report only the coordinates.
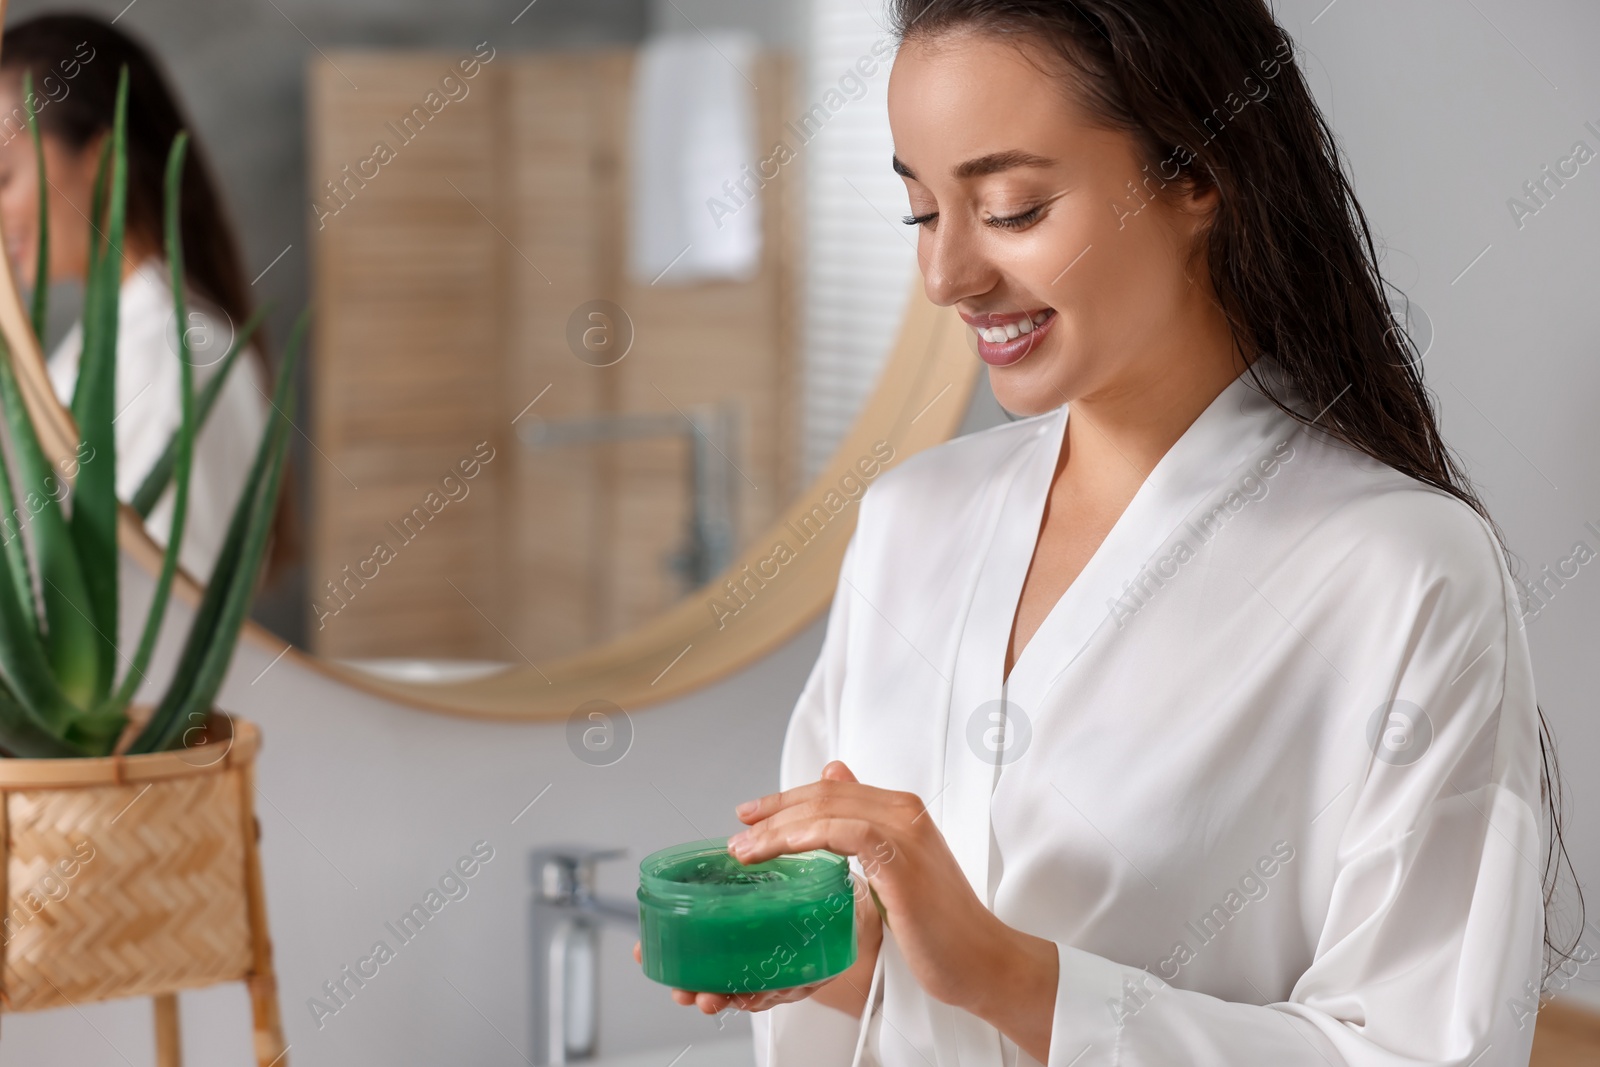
(711, 1003)
(846, 991)
(957, 950)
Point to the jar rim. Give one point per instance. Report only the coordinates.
(821, 874)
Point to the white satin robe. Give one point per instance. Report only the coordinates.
(1270, 779)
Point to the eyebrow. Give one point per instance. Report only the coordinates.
(993, 163)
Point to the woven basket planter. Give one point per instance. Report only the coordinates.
(137, 876)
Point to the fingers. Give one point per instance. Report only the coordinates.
(845, 836)
(638, 953)
(762, 807)
(847, 802)
(859, 803)
(753, 811)
(838, 772)
(711, 1003)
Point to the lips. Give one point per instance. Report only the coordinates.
(1001, 353)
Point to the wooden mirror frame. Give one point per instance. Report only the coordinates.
(920, 400)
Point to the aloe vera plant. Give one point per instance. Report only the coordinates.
(60, 695)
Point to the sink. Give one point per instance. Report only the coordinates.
(427, 670)
(715, 1052)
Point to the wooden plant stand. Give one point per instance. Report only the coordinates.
(137, 876)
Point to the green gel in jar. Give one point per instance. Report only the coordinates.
(710, 924)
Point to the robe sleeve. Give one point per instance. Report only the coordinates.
(1431, 944)
(805, 1033)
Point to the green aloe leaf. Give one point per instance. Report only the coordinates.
(26, 737)
(94, 500)
(12, 523)
(52, 679)
(164, 723)
(221, 614)
(213, 666)
(41, 269)
(97, 212)
(155, 483)
(184, 440)
(15, 556)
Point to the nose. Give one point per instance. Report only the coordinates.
(953, 263)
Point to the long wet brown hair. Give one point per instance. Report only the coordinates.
(1212, 97)
(80, 110)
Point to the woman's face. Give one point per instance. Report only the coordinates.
(71, 178)
(1033, 214)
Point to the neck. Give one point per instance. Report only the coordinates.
(1131, 422)
(135, 250)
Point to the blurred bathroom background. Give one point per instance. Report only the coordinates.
(456, 281)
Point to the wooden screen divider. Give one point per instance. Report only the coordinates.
(444, 281)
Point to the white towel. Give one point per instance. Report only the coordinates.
(694, 200)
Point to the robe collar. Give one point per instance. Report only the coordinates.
(989, 718)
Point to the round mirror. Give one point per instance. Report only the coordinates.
(614, 320)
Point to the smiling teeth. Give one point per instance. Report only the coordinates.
(996, 335)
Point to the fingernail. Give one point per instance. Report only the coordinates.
(747, 807)
(739, 841)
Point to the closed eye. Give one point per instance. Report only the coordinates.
(1017, 222)
(1009, 222)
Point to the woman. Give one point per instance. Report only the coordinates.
(1188, 720)
(75, 61)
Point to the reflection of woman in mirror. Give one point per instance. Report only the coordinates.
(74, 61)
(1190, 718)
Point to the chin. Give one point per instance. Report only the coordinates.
(1025, 391)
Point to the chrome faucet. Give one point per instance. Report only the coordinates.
(712, 433)
(567, 919)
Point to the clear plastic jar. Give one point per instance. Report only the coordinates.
(711, 924)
